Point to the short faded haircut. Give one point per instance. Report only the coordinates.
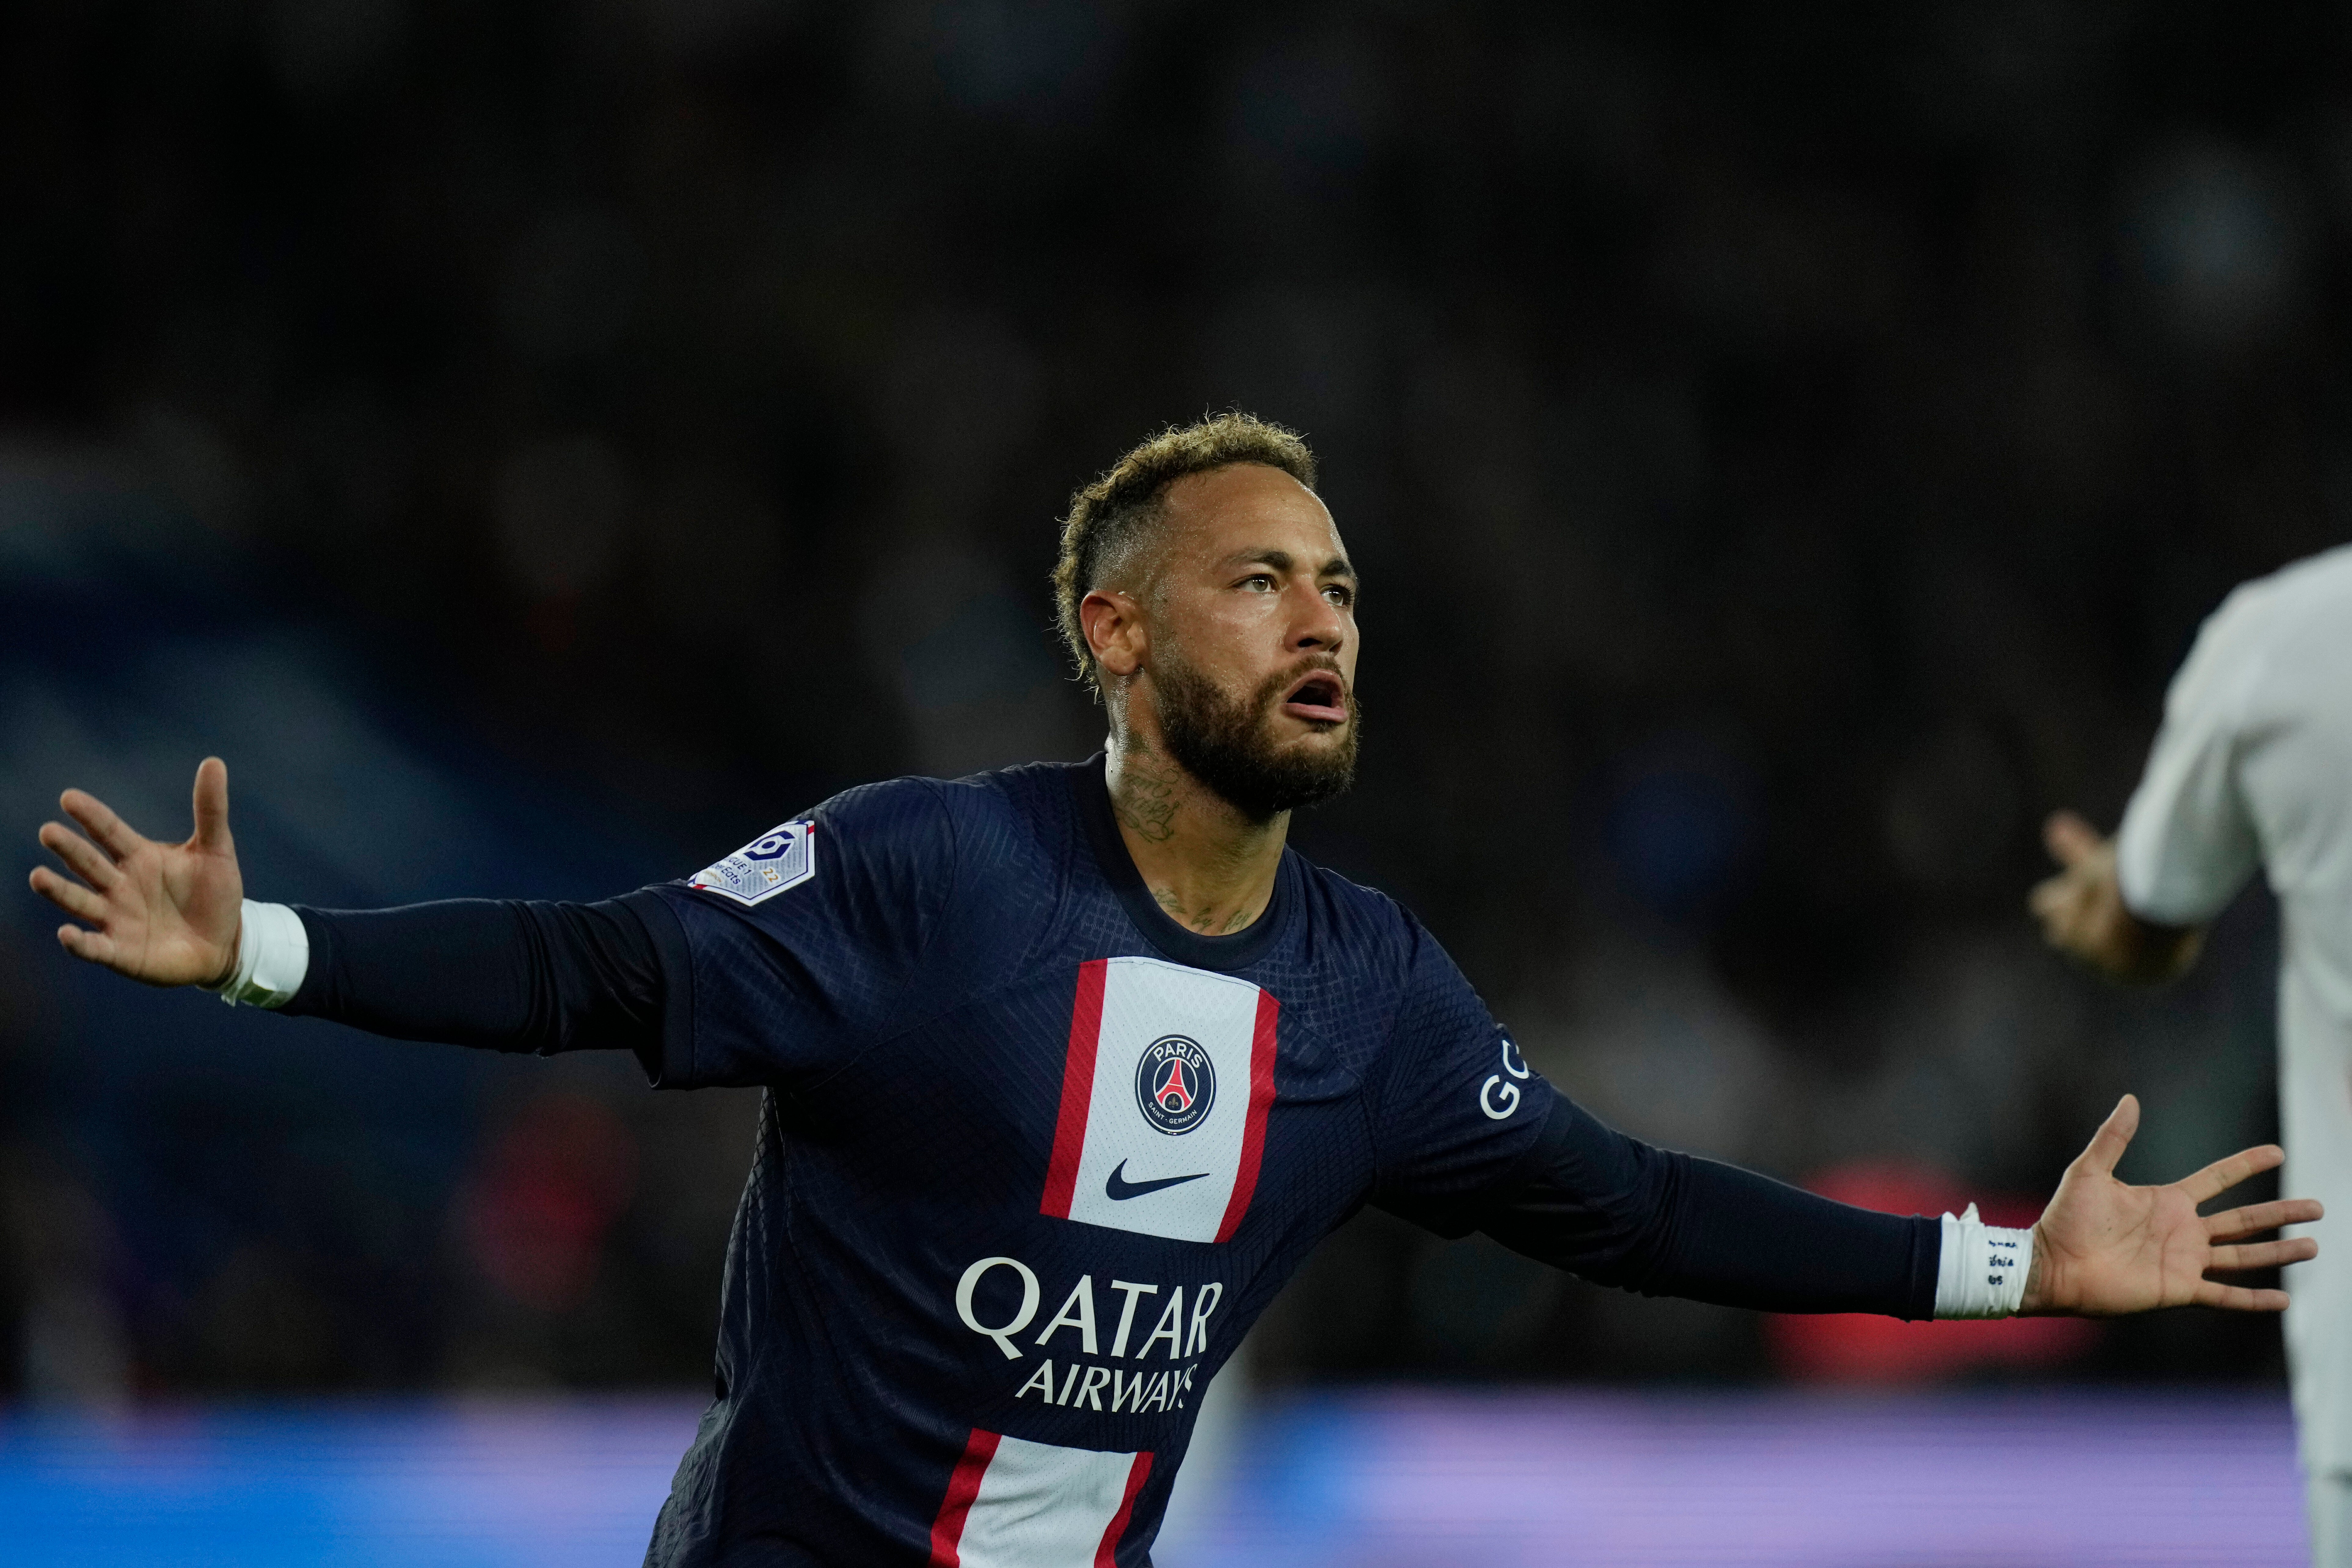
(1111, 516)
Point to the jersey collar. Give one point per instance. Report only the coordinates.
(1226, 953)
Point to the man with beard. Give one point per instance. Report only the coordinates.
(1067, 1067)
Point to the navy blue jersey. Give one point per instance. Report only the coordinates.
(1033, 1156)
(1031, 1159)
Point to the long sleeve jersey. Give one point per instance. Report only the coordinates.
(1033, 1156)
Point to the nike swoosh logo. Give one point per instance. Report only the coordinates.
(1120, 1189)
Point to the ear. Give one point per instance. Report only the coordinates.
(1113, 623)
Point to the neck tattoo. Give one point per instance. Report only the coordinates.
(1145, 799)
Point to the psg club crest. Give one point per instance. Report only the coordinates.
(783, 857)
(1175, 1084)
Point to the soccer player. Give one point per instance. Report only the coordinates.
(2253, 768)
(1067, 1067)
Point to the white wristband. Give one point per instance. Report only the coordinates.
(1980, 1273)
(273, 953)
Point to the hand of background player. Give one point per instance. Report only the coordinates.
(2083, 916)
(168, 914)
(2103, 1247)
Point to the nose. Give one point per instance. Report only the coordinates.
(1321, 628)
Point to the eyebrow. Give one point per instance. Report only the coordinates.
(1283, 561)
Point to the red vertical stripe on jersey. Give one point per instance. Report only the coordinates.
(1105, 1555)
(1260, 1100)
(1077, 1091)
(947, 1531)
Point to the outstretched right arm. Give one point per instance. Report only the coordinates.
(772, 966)
(504, 975)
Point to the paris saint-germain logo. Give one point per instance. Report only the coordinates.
(1175, 1084)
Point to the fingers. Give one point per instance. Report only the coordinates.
(2069, 839)
(2232, 1223)
(94, 946)
(98, 819)
(2223, 1175)
(212, 806)
(82, 857)
(2115, 1136)
(2238, 1299)
(2264, 1255)
(71, 896)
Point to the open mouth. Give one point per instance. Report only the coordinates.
(1320, 697)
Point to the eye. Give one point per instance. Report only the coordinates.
(1339, 594)
(1260, 581)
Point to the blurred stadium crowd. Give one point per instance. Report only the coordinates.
(1787, 449)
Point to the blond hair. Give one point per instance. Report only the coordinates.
(1111, 516)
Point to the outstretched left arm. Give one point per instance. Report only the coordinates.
(1620, 1212)
(2103, 1247)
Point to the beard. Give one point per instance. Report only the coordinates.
(1228, 743)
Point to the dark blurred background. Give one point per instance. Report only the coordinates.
(542, 445)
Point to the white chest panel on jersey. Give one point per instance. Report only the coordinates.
(1164, 1096)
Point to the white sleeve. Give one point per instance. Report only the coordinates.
(2186, 845)
(273, 954)
(1983, 1268)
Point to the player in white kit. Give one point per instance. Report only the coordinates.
(2253, 768)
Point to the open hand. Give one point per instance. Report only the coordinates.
(168, 914)
(2103, 1247)
(2083, 916)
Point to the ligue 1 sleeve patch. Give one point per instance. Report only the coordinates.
(783, 857)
